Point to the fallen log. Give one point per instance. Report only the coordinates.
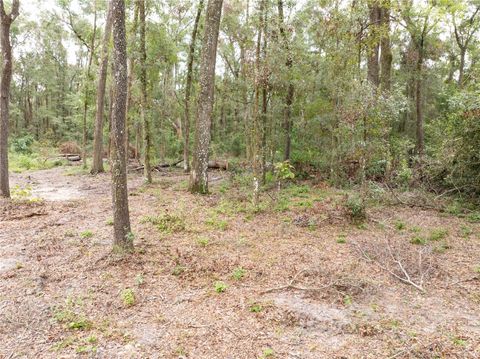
(218, 165)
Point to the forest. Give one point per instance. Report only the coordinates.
(240, 179)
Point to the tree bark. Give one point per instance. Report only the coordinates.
(385, 49)
(85, 102)
(419, 148)
(188, 90)
(373, 48)
(5, 81)
(97, 165)
(147, 171)
(121, 219)
(199, 176)
(291, 88)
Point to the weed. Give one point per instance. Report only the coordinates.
(220, 287)
(256, 308)
(355, 208)
(238, 273)
(80, 324)
(217, 223)
(178, 270)
(67, 315)
(474, 217)
(400, 225)
(341, 239)
(282, 205)
(459, 341)
(418, 240)
(441, 248)
(86, 234)
(347, 300)
(202, 241)
(437, 234)
(128, 297)
(466, 231)
(267, 353)
(166, 223)
(109, 222)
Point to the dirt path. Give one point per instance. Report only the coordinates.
(211, 279)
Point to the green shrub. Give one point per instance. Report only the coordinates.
(128, 297)
(355, 208)
(23, 144)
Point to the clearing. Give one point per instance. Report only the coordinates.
(211, 278)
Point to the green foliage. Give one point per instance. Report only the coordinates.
(166, 223)
(23, 144)
(238, 273)
(418, 240)
(256, 308)
(128, 297)
(71, 316)
(86, 234)
(284, 171)
(203, 241)
(437, 234)
(355, 208)
(220, 287)
(178, 269)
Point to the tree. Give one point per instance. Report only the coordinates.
(199, 175)
(291, 87)
(419, 24)
(464, 33)
(147, 171)
(6, 21)
(188, 90)
(97, 165)
(121, 219)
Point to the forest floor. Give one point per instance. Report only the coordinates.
(211, 278)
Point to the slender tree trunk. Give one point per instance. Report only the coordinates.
(199, 175)
(147, 171)
(264, 95)
(386, 49)
(188, 90)
(291, 88)
(87, 80)
(461, 67)
(419, 149)
(131, 65)
(97, 166)
(256, 155)
(121, 219)
(5, 23)
(373, 49)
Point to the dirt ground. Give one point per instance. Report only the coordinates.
(210, 278)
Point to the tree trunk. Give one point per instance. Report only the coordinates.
(5, 23)
(461, 67)
(97, 166)
(373, 48)
(199, 176)
(131, 63)
(147, 171)
(87, 80)
(386, 49)
(257, 116)
(419, 148)
(291, 89)
(188, 90)
(121, 219)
